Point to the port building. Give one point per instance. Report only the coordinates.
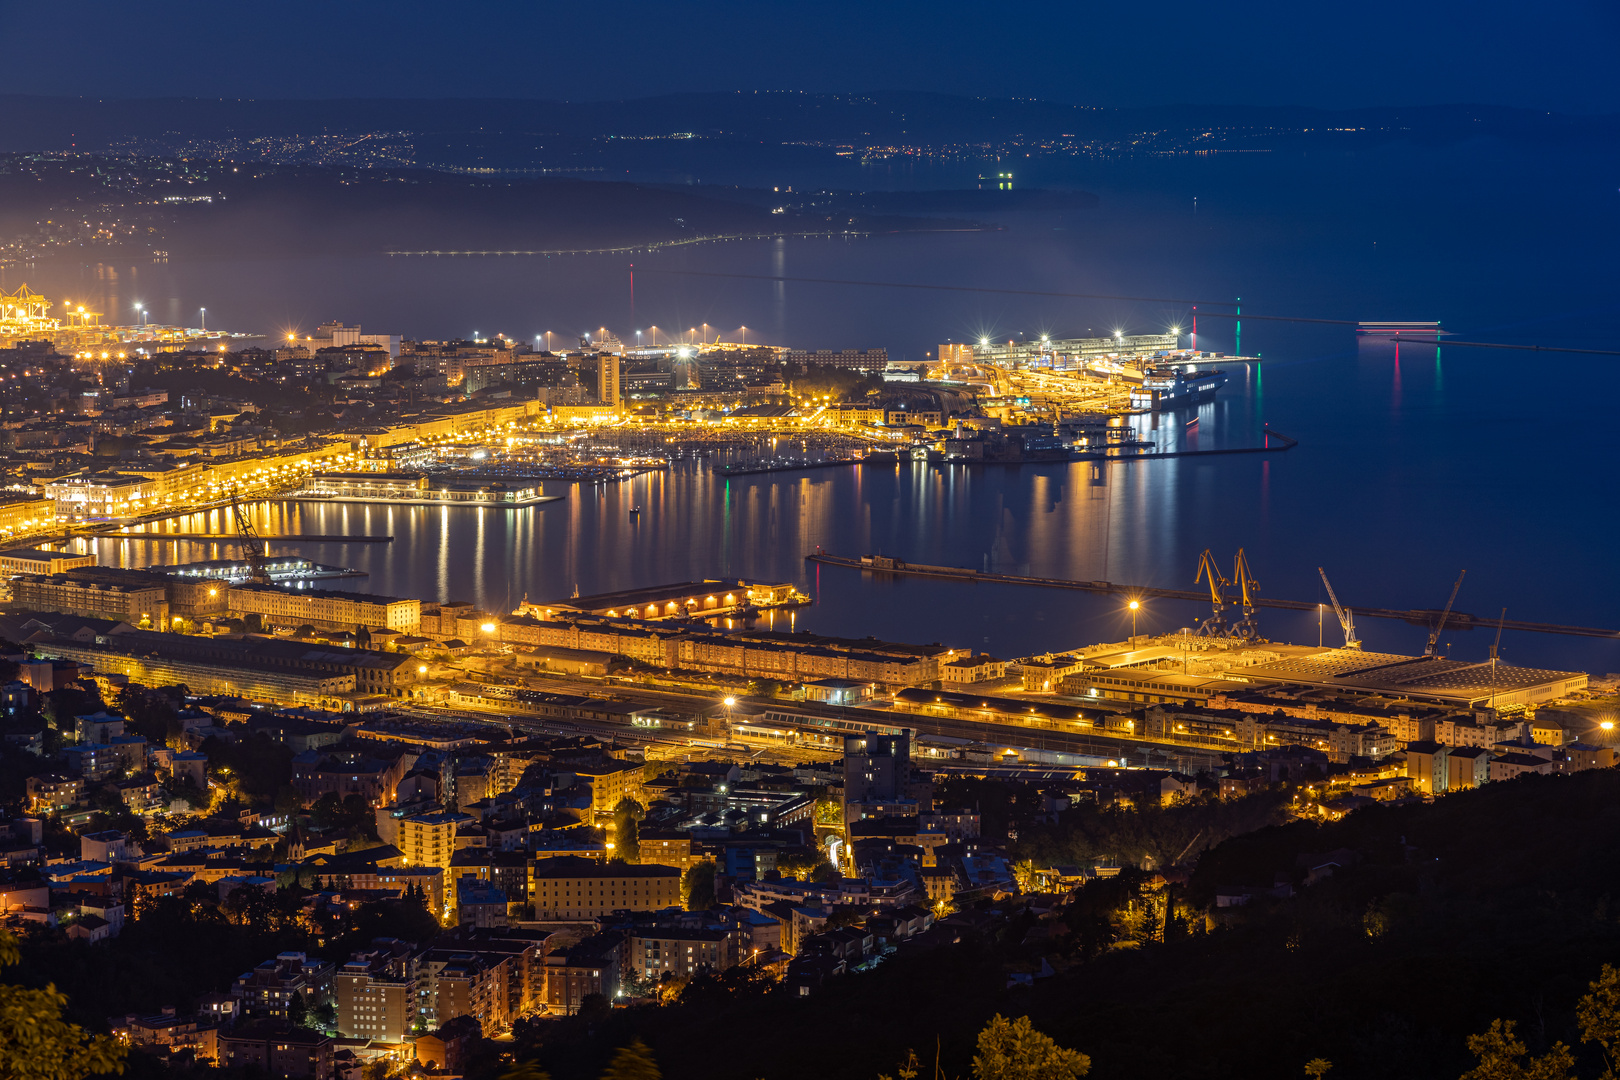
(1457, 684)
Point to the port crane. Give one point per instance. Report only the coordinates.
(1434, 635)
(1215, 625)
(1346, 620)
(1248, 591)
(1495, 646)
(252, 543)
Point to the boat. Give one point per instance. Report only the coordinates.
(635, 511)
(1193, 422)
(1166, 387)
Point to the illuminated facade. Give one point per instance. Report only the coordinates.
(144, 606)
(325, 608)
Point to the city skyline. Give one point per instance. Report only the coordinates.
(747, 542)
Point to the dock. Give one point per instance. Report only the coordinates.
(1455, 621)
(223, 538)
(1283, 443)
(1275, 443)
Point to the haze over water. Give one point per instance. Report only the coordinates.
(1408, 469)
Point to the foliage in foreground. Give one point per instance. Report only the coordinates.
(37, 1044)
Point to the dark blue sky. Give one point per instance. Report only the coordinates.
(1554, 54)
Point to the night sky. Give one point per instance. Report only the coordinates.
(1553, 54)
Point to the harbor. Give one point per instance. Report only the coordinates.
(1455, 620)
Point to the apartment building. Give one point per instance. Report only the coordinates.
(452, 983)
(376, 992)
(145, 606)
(327, 609)
(609, 780)
(572, 888)
(430, 839)
(682, 952)
(268, 990)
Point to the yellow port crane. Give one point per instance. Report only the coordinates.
(23, 315)
(1249, 591)
(1215, 625)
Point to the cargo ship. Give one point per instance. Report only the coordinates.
(1165, 387)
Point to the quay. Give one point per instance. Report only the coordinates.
(284, 538)
(1275, 443)
(416, 489)
(792, 466)
(1454, 621)
(1284, 442)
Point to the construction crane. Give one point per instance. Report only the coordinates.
(1434, 635)
(252, 543)
(1249, 591)
(1215, 625)
(1346, 620)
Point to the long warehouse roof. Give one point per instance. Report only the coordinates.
(1453, 682)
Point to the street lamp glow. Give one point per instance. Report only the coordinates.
(730, 701)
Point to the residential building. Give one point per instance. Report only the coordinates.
(1467, 767)
(593, 966)
(328, 609)
(972, 668)
(51, 793)
(430, 839)
(277, 1050)
(573, 888)
(268, 990)
(453, 982)
(145, 606)
(683, 952)
(609, 780)
(1511, 765)
(1427, 767)
(668, 847)
(376, 992)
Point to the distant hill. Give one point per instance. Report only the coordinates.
(505, 133)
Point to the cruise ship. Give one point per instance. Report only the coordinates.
(1166, 387)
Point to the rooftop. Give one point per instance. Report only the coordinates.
(1455, 682)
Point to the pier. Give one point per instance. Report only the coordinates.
(223, 538)
(1456, 620)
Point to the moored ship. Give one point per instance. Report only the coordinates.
(1165, 387)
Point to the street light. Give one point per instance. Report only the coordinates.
(1134, 605)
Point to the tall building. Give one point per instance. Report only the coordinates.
(607, 379)
(878, 780)
(430, 839)
(376, 992)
